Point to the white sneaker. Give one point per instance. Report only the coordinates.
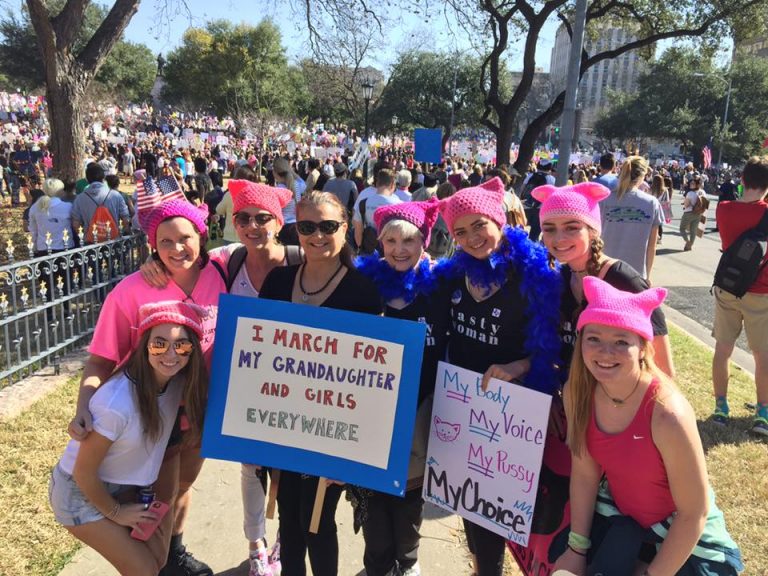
(259, 563)
(414, 570)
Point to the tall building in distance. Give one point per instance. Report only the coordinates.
(616, 74)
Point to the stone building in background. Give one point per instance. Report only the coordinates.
(611, 75)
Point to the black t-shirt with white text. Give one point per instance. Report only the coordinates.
(489, 332)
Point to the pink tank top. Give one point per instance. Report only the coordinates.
(633, 466)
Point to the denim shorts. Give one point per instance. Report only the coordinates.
(70, 506)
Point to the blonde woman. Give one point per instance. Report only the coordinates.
(631, 219)
(641, 502)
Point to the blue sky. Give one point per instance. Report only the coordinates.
(162, 36)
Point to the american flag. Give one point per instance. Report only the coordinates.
(706, 155)
(150, 194)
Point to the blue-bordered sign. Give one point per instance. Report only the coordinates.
(313, 390)
(428, 145)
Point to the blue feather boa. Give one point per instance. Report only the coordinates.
(393, 284)
(541, 286)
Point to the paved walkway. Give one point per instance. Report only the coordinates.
(215, 534)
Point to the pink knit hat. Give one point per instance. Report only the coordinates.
(175, 209)
(423, 215)
(247, 193)
(185, 314)
(486, 200)
(612, 307)
(579, 202)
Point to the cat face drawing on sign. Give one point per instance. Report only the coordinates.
(446, 431)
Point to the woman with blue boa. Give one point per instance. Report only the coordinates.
(504, 313)
(405, 280)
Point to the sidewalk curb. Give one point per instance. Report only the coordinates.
(740, 358)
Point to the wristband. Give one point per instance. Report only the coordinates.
(578, 541)
(582, 554)
(112, 514)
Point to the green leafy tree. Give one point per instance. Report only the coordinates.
(240, 70)
(420, 93)
(129, 71)
(682, 97)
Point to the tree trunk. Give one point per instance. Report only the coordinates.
(504, 138)
(67, 127)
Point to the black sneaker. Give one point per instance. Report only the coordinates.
(182, 563)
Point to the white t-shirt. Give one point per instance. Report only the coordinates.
(365, 193)
(693, 197)
(132, 459)
(375, 201)
(403, 194)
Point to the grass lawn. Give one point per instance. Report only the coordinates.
(33, 545)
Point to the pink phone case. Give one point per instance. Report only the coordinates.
(159, 508)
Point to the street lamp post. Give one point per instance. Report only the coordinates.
(367, 96)
(725, 113)
(395, 120)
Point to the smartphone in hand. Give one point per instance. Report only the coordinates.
(148, 528)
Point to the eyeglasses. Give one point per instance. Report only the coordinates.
(158, 346)
(243, 220)
(308, 227)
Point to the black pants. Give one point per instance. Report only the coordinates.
(295, 500)
(488, 547)
(391, 532)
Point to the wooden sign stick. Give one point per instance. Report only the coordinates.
(274, 484)
(317, 511)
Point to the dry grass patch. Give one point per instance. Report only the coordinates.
(33, 543)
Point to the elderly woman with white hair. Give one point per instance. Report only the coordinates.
(49, 218)
(403, 182)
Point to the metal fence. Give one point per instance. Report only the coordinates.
(49, 304)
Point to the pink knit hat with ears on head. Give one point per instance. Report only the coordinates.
(247, 193)
(198, 215)
(625, 310)
(485, 200)
(579, 202)
(423, 215)
(185, 314)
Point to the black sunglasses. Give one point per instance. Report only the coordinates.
(243, 219)
(307, 227)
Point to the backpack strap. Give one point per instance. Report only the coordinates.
(221, 272)
(293, 255)
(361, 209)
(762, 226)
(236, 261)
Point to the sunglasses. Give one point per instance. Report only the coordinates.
(158, 346)
(307, 227)
(243, 220)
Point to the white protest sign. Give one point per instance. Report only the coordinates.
(315, 367)
(222, 140)
(485, 451)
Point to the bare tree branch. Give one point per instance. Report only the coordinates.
(107, 35)
(67, 22)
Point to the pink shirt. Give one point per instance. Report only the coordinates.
(116, 333)
(633, 465)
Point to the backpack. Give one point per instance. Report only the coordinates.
(742, 262)
(102, 222)
(537, 179)
(702, 205)
(370, 238)
(293, 256)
